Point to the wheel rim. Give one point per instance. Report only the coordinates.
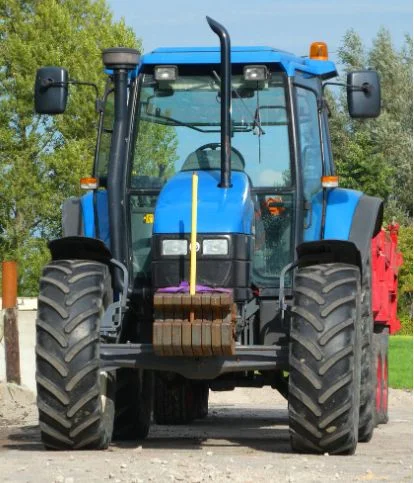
(385, 386)
(378, 394)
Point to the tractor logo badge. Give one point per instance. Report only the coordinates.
(197, 246)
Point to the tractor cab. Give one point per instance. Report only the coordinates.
(279, 152)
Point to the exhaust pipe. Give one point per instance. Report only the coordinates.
(225, 94)
(120, 60)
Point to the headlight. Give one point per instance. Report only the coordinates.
(174, 247)
(215, 247)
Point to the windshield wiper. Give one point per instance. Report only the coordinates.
(256, 124)
(175, 122)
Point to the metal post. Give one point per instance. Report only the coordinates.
(11, 333)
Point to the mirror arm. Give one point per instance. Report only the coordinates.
(46, 83)
(366, 87)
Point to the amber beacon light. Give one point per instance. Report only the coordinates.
(318, 51)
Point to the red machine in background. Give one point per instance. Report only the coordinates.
(386, 261)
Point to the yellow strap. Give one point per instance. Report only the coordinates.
(193, 253)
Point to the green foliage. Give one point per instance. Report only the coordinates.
(42, 158)
(405, 279)
(364, 167)
(400, 362)
(406, 320)
(157, 150)
(375, 156)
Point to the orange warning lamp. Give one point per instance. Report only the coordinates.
(318, 51)
(89, 183)
(330, 181)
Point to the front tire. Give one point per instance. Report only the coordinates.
(75, 398)
(324, 357)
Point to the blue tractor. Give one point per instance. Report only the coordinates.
(213, 249)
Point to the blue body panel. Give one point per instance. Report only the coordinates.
(239, 55)
(88, 216)
(220, 210)
(340, 209)
(340, 213)
(313, 232)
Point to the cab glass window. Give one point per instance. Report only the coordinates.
(309, 138)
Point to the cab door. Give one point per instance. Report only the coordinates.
(309, 115)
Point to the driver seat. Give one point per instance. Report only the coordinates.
(210, 159)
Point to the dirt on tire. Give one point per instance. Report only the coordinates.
(245, 438)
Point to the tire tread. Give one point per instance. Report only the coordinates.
(324, 372)
(70, 305)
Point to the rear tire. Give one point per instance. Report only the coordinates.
(178, 400)
(381, 365)
(325, 359)
(133, 404)
(75, 398)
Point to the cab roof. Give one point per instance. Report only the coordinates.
(240, 55)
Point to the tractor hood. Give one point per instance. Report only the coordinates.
(220, 210)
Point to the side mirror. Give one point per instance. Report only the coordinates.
(363, 94)
(51, 90)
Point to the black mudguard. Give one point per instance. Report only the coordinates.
(366, 223)
(328, 251)
(80, 248)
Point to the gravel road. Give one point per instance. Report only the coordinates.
(244, 439)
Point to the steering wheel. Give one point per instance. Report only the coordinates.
(215, 146)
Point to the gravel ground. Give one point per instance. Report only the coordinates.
(244, 439)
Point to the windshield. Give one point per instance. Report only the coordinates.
(179, 128)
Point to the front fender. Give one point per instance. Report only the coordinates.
(352, 220)
(353, 216)
(80, 248)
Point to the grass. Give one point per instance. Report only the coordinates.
(400, 361)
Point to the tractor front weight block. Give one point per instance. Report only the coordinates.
(194, 325)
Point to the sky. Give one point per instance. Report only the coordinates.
(289, 25)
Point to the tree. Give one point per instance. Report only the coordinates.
(405, 276)
(394, 134)
(157, 150)
(376, 156)
(43, 157)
